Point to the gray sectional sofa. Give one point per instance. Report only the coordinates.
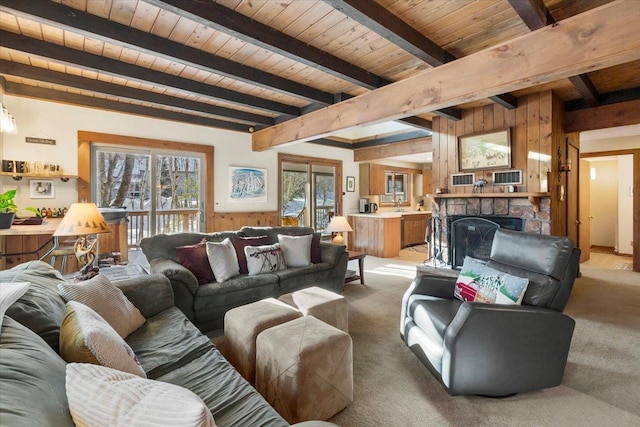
(169, 347)
(205, 305)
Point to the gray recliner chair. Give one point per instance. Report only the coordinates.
(493, 349)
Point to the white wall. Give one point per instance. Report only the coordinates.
(604, 203)
(42, 119)
(625, 204)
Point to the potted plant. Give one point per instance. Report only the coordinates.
(8, 208)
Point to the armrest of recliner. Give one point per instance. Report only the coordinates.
(175, 272)
(502, 349)
(426, 284)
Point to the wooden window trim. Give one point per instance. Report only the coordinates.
(86, 139)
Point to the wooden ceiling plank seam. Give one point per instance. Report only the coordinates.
(524, 61)
(238, 25)
(99, 8)
(298, 26)
(86, 60)
(122, 11)
(145, 16)
(164, 24)
(87, 101)
(111, 32)
(536, 15)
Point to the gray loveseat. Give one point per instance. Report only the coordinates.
(169, 347)
(205, 305)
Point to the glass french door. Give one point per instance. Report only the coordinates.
(162, 190)
(308, 189)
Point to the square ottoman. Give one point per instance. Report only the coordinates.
(322, 304)
(242, 326)
(304, 369)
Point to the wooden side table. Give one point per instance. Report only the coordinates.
(353, 255)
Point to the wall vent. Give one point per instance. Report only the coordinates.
(507, 177)
(462, 179)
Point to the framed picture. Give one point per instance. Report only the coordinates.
(351, 183)
(41, 189)
(486, 150)
(247, 184)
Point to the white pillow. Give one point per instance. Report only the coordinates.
(264, 259)
(87, 338)
(10, 292)
(296, 249)
(223, 260)
(100, 396)
(107, 300)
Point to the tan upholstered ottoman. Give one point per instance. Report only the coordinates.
(243, 324)
(322, 304)
(304, 368)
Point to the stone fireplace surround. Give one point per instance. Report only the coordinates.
(535, 214)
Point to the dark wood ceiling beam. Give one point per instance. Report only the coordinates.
(390, 139)
(93, 85)
(105, 104)
(386, 24)
(535, 15)
(381, 21)
(244, 28)
(47, 12)
(117, 68)
(618, 96)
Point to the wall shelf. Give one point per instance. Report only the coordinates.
(18, 176)
(534, 198)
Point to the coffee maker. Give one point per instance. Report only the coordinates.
(364, 205)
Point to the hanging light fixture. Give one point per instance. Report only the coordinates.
(7, 121)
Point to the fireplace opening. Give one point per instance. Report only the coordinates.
(472, 236)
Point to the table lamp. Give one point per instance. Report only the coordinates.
(83, 220)
(338, 225)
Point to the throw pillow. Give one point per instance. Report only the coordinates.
(315, 246)
(479, 283)
(239, 243)
(194, 257)
(10, 293)
(223, 260)
(264, 259)
(103, 396)
(296, 249)
(87, 338)
(107, 300)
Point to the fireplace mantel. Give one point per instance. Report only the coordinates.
(534, 198)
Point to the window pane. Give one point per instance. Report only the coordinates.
(178, 193)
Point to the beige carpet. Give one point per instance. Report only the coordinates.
(602, 380)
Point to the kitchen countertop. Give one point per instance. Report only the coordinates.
(389, 214)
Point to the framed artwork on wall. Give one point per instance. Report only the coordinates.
(486, 150)
(351, 184)
(41, 189)
(247, 184)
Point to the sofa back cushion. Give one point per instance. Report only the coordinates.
(41, 308)
(164, 245)
(32, 379)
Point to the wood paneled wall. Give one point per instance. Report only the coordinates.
(537, 142)
(236, 220)
(532, 132)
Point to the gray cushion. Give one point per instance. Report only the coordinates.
(240, 289)
(30, 372)
(167, 341)
(231, 399)
(41, 308)
(434, 314)
(164, 245)
(272, 232)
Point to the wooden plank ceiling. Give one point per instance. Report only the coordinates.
(247, 65)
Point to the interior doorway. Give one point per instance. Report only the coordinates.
(612, 182)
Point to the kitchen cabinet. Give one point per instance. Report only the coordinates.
(375, 235)
(413, 229)
(372, 179)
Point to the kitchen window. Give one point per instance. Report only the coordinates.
(396, 188)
